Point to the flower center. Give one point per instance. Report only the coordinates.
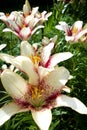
(36, 98)
(74, 30)
(36, 92)
(36, 59)
(23, 26)
(7, 14)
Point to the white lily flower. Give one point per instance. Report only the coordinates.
(72, 33)
(43, 57)
(24, 23)
(40, 93)
(40, 57)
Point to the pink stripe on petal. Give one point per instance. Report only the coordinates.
(46, 52)
(57, 58)
(25, 33)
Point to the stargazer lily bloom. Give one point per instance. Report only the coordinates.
(24, 23)
(72, 33)
(38, 94)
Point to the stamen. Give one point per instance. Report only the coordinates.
(74, 30)
(36, 59)
(7, 14)
(36, 92)
(23, 26)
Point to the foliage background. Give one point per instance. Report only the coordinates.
(63, 118)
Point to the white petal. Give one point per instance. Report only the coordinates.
(66, 89)
(25, 33)
(36, 28)
(43, 72)
(13, 25)
(2, 14)
(27, 49)
(30, 20)
(62, 26)
(59, 27)
(71, 102)
(54, 39)
(57, 78)
(7, 58)
(26, 8)
(69, 38)
(3, 17)
(13, 15)
(2, 46)
(7, 111)
(42, 118)
(26, 65)
(14, 84)
(45, 40)
(46, 52)
(63, 23)
(11, 67)
(59, 57)
(47, 15)
(19, 20)
(4, 66)
(9, 30)
(77, 25)
(34, 10)
(79, 35)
